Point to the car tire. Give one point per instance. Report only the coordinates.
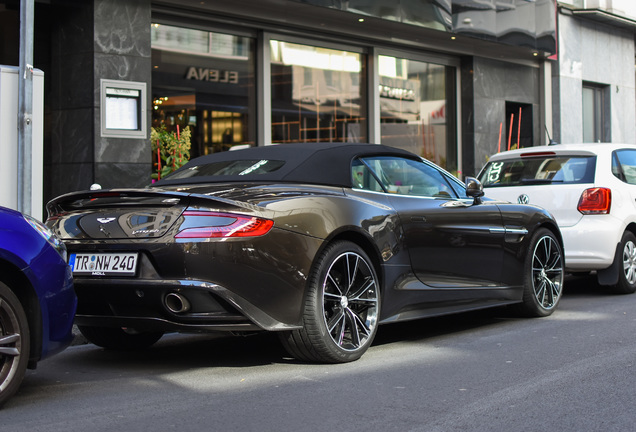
(120, 339)
(15, 343)
(341, 309)
(543, 275)
(627, 266)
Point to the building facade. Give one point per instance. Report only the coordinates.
(594, 76)
(451, 80)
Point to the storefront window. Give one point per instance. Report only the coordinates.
(318, 94)
(204, 80)
(414, 103)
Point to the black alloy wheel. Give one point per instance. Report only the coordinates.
(14, 343)
(544, 274)
(342, 308)
(120, 339)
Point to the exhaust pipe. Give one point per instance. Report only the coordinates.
(177, 303)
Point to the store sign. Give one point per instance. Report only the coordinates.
(212, 75)
(434, 111)
(439, 114)
(390, 92)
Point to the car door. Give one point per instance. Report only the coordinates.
(452, 243)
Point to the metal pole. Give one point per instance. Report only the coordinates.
(25, 107)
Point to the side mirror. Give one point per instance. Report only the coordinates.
(474, 189)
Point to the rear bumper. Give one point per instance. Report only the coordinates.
(591, 243)
(141, 304)
(258, 282)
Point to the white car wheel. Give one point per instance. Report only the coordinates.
(627, 267)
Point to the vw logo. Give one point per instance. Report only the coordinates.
(523, 199)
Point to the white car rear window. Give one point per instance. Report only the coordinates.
(553, 169)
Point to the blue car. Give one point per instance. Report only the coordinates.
(37, 299)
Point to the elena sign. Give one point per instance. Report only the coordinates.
(212, 75)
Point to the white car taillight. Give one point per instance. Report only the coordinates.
(595, 201)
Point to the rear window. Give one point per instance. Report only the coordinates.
(228, 168)
(547, 170)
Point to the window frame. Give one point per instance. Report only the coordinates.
(265, 102)
(452, 67)
(213, 27)
(600, 112)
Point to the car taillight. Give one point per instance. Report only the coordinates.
(202, 224)
(537, 154)
(595, 201)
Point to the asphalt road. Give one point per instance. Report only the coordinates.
(487, 371)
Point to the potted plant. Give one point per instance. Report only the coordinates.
(171, 150)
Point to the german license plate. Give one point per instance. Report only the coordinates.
(104, 264)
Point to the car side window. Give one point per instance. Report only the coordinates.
(458, 187)
(624, 165)
(363, 178)
(406, 177)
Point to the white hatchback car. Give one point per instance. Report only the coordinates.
(591, 191)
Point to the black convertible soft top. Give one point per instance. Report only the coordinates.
(312, 163)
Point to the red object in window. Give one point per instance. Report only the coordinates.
(595, 201)
(226, 225)
(158, 161)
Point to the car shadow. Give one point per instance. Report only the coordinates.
(179, 351)
(581, 285)
(433, 327)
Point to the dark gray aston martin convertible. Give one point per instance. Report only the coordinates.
(318, 242)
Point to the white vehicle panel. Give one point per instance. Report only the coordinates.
(590, 240)
(561, 201)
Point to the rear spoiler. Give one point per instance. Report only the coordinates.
(130, 197)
